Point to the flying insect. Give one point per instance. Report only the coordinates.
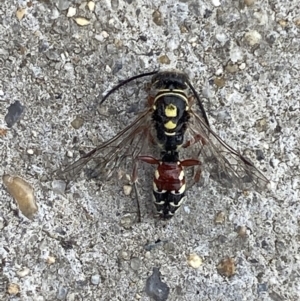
(174, 120)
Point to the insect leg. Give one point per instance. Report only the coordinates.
(137, 202)
(197, 174)
(197, 138)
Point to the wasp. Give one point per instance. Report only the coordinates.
(173, 120)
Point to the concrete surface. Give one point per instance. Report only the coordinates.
(242, 56)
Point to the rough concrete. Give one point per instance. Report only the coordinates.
(242, 56)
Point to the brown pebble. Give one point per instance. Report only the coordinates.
(77, 122)
(227, 267)
(3, 132)
(164, 59)
(220, 217)
(22, 192)
(219, 82)
(157, 18)
(249, 2)
(13, 288)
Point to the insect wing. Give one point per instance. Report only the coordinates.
(224, 163)
(122, 149)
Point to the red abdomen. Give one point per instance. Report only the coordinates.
(169, 177)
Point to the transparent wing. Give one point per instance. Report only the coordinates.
(223, 163)
(120, 151)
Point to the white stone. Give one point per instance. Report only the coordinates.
(216, 3)
(91, 5)
(253, 37)
(71, 12)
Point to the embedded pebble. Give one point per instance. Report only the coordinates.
(236, 54)
(194, 261)
(219, 82)
(62, 293)
(155, 288)
(23, 273)
(114, 4)
(297, 22)
(14, 114)
(169, 247)
(91, 5)
(262, 17)
(13, 288)
(232, 68)
(219, 72)
(22, 192)
(124, 255)
(221, 37)
(164, 59)
(77, 122)
(59, 186)
(227, 267)
(220, 217)
(82, 21)
(70, 154)
(253, 37)
(63, 4)
(261, 125)
(50, 260)
(242, 231)
(157, 18)
(104, 34)
(20, 13)
(283, 23)
(30, 151)
(95, 279)
(249, 2)
(3, 132)
(216, 3)
(71, 12)
(127, 189)
(107, 69)
(242, 66)
(127, 221)
(53, 56)
(135, 263)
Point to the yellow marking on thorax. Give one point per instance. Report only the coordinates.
(171, 110)
(170, 125)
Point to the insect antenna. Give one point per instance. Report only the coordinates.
(199, 102)
(126, 81)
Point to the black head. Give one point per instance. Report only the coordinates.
(171, 79)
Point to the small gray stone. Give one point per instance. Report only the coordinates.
(14, 114)
(77, 122)
(114, 4)
(135, 263)
(53, 56)
(62, 293)
(59, 186)
(155, 288)
(63, 4)
(95, 279)
(127, 221)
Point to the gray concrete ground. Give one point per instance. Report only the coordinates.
(242, 56)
